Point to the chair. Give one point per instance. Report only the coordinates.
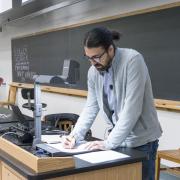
(64, 121)
(11, 97)
(170, 155)
(28, 93)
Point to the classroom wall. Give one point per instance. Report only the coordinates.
(82, 12)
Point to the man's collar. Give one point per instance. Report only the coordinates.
(106, 71)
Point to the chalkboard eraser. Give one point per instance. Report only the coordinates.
(19, 84)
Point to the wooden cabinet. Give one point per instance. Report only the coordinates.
(123, 172)
(7, 173)
(128, 172)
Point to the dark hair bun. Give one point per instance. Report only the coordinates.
(101, 37)
(116, 35)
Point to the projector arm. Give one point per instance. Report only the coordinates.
(37, 113)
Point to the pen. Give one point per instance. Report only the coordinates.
(70, 140)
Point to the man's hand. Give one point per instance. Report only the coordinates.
(93, 145)
(68, 142)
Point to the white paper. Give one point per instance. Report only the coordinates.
(53, 138)
(76, 149)
(101, 156)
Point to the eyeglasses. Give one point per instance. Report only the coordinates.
(95, 58)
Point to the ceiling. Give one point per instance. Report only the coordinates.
(32, 9)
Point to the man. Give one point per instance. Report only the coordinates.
(120, 86)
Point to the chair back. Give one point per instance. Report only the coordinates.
(65, 122)
(27, 93)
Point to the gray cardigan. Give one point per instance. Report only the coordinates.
(137, 121)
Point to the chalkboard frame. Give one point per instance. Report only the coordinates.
(160, 103)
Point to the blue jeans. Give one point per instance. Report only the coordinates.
(148, 166)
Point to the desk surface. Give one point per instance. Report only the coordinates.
(80, 165)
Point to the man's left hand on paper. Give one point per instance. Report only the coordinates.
(93, 145)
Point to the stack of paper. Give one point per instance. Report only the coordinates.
(101, 156)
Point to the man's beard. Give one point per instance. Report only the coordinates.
(102, 68)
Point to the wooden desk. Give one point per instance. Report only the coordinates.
(127, 169)
(16, 164)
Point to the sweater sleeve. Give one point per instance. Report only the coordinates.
(89, 112)
(129, 115)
